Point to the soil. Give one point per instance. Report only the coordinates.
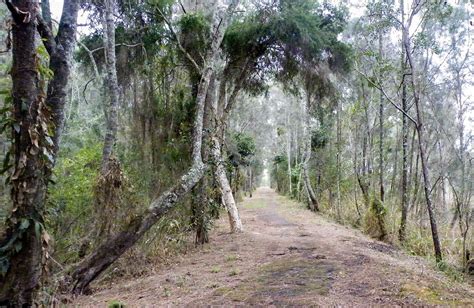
(288, 256)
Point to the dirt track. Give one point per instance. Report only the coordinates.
(288, 256)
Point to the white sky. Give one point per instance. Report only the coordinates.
(57, 8)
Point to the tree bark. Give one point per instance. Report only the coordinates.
(381, 140)
(251, 182)
(111, 111)
(225, 105)
(34, 149)
(218, 160)
(338, 156)
(404, 188)
(288, 154)
(221, 177)
(313, 200)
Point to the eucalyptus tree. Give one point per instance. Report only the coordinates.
(112, 84)
(416, 7)
(404, 105)
(461, 179)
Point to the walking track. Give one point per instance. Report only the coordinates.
(288, 256)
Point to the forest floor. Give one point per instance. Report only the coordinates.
(288, 256)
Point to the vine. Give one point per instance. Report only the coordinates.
(40, 144)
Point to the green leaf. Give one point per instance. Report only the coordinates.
(38, 228)
(5, 110)
(25, 223)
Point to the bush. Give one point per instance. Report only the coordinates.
(71, 199)
(375, 220)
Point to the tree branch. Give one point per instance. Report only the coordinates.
(116, 45)
(46, 35)
(180, 46)
(378, 87)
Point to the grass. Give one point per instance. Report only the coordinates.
(433, 294)
(254, 203)
(115, 304)
(234, 272)
(282, 280)
(232, 258)
(215, 269)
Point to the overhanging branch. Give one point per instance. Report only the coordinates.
(377, 86)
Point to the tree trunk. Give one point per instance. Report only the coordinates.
(34, 148)
(313, 201)
(404, 188)
(338, 157)
(251, 183)
(288, 154)
(20, 281)
(219, 163)
(421, 146)
(381, 141)
(111, 111)
(221, 177)
(200, 204)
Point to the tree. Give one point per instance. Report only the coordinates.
(421, 130)
(112, 84)
(404, 184)
(38, 119)
(115, 245)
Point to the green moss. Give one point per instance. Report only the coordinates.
(254, 204)
(232, 258)
(116, 304)
(215, 269)
(432, 295)
(283, 280)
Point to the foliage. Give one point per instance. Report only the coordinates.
(71, 199)
(241, 149)
(319, 138)
(285, 44)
